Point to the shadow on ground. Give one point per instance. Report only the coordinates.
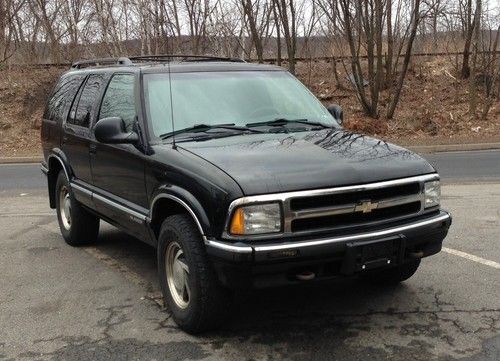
(346, 319)
(315, 304)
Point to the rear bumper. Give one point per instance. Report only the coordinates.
(243, 265)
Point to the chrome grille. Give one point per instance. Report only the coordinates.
(343, 207)
(352, 207)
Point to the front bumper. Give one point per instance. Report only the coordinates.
(243, 265)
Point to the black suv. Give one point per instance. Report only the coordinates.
(238, 176)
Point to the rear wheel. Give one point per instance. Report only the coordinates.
(78, 226)
(393, 275)
(189, 285)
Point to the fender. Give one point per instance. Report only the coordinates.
(187, 201)
(59, 155)
(61, 159)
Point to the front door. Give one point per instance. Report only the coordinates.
(118, 169)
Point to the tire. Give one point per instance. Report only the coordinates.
(78, 226)
(190, 288)
(393, 275)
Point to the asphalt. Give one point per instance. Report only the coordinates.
(470, 166)
(453, 167)
(102, 302)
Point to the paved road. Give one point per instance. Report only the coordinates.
(452, 166)
(102, 302)
(481, 165)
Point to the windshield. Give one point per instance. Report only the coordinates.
(238, 98)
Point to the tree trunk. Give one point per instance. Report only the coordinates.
(3, 42)
(490, 93)
(465, 72)
(473, 68)
(390, 46)
(406, 61)
(278, 36)
(379, 70)
(288, 24)
(257, 41)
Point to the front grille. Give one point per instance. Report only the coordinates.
(356, 218)
(354, 207)
(354, 197)
(346, 208)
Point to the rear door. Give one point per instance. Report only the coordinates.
(57, 110)
(118, 169)
(76, 128)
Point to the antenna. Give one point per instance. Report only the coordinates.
(171, 103)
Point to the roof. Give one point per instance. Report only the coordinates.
(178, 64)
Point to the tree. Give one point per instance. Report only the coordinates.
(3, 42)
(286, 11)
(469, 25)
(361, 23)
(406, 61)
(250, 12)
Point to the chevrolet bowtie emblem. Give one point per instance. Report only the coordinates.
(366, 206)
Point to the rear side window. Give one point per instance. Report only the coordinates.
(119, 100)
(84, 106)
(60, 101)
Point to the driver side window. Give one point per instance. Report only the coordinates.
(119, 100)
(84, 106)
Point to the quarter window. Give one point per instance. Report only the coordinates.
(83, 109)
(61, 98)
(119, 100)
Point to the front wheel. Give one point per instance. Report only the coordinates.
(189, 285)
(393, 275)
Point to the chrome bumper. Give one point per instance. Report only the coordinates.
(241, 248)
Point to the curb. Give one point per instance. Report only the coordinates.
(17, 160)
(423, 149)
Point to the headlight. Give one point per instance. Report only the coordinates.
(256, 219)
(432, 192)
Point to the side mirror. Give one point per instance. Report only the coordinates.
(112, 131)
(337, 112)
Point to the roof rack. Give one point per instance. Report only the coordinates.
(102, 61)
(183, 57)
(127, 61)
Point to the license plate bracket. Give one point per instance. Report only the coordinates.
(367, 255)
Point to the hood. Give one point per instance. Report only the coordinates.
(272, 163)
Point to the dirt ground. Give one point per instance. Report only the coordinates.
(432, 110)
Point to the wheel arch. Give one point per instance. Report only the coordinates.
(55, 164)
(166, 204)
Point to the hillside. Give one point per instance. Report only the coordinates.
(432, 109)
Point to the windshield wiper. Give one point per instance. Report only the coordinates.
(283, 121)
(200, 128)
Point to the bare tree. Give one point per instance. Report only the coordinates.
(250, 10)
(361, 23)
(406, 61)
(469, 22)
(3, 40)
(492, 75)
(473, 96)
(286, 11)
